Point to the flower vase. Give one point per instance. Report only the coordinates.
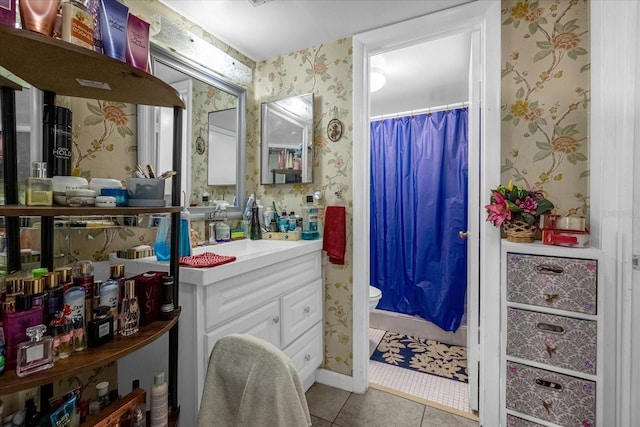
(519, 231)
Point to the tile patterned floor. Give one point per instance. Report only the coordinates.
(331, 407)
(441, 391)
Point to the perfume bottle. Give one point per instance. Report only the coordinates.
(36, 354)
(39, 187)
(100, 329)
(130, 314)
(109, 291)
(16, 319)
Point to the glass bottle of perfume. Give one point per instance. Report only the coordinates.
(130, 313)
(100, 329)
(36, 354)
(39, 187)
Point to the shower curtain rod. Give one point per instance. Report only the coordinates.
(420, 111)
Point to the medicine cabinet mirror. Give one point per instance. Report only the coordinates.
(287, 140)
(213, 131)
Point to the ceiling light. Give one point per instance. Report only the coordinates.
(258, 2)
(377, 79)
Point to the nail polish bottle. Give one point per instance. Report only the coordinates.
(130, 314)
(36, 354)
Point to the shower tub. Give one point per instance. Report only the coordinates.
(416, 327)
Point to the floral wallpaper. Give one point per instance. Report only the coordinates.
(545, 99)
(326, 71)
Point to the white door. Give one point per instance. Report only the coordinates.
(473, 218)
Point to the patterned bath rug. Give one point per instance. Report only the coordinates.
(422, 355)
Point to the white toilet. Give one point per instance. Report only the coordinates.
(374, 296)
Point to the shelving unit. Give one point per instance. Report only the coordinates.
(552, 330)
(58, 67)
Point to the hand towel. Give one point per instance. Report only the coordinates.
(206, 259)
(334, 239)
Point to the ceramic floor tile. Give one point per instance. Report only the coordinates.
(378, 409)
(436, 418)
(325, 402)
(319, 422)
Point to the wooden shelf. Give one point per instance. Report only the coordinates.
(66, 69)
(89, 358)
(19, 210)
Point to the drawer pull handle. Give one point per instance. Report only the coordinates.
(549, 269)
(551, 298)
(548, 384)
(276, 319)
(307, 357)
(548, 406)
(549, 327)
(307, 309)
(550, 350)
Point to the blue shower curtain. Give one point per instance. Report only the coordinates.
(418, 206)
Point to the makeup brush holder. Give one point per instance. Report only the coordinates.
(146, 192)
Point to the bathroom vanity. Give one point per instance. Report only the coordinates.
(273, 290)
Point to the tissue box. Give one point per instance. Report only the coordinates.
(149, 294)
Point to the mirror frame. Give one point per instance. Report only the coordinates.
(146, 130)
(274, 108)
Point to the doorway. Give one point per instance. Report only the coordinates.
(483, 17)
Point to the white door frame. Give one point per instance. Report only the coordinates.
(485, 17)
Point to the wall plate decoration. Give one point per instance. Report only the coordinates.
(200, 145)
(334, 130)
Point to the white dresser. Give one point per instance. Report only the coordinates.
(552, 330)
(273, 291)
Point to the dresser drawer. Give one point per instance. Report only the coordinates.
(550, 396)
(556, 340)
(520, 422)
(306, 353)
(300, 310)
(562, 283)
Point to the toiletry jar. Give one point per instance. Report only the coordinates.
(120, 195)
(145, 191)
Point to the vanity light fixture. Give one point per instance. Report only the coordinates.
(377, 79)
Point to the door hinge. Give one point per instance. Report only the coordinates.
(635, 262)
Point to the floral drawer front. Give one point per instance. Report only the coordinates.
(519, 422)
(556, 340)
(561, 399)
(562, 283)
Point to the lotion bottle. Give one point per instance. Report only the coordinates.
(159, 401)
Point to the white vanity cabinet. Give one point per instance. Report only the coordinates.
(273, 291)
(552, 334)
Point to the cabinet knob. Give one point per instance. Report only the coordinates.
(307, 309)
(307, 357)
(276, 319)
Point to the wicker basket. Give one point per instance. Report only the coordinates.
(519, 231)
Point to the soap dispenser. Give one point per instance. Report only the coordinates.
(184, 248)
(222, 229)
(255, 231)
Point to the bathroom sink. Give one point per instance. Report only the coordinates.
(244, 248)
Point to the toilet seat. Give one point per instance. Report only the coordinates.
(374, 293)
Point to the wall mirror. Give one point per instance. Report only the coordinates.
(214, 129)
(287, 140)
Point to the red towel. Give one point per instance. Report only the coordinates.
(334, 239)
(206, 259)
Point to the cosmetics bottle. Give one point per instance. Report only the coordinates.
(38, 15)
(159, 401)
(36, 354)
(15, 323)
(35, 289)
(130, 313)
(184, 248)
(54, 293)
(65, 277)
(113, 28)
(74, 297)
(100, 329)
(77, 23)
(137, 51)
(79, 334)
(2, 356)
(83, 276)
(167, 307)
(109, 291)
(102, 391)
(59, 124)
(39, 187)
(62, 332)
(222, 229)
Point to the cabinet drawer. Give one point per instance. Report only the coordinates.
(562, 283)
(556, 340)
(306, 351)
(263, 322)
(549, 396)
(520, 422)
(300, 310)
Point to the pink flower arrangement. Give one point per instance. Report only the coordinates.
(513, 203)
